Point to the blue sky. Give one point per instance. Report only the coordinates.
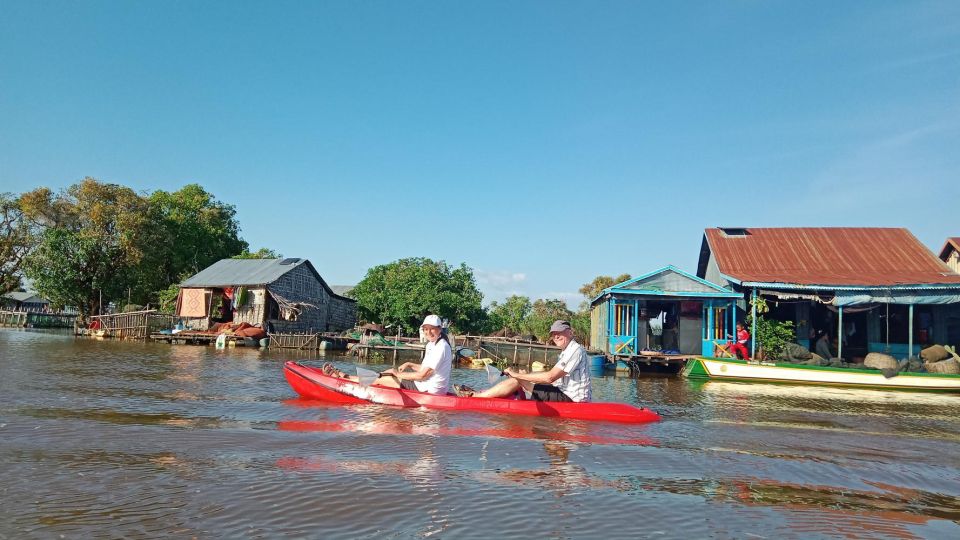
(541, 143)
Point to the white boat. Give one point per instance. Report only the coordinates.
(779, 372)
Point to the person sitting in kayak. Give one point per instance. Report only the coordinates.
(568, 380)
(432, 375)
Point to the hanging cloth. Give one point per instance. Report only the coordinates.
(193, 303)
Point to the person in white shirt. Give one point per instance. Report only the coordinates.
(432, 375)
(568, 380)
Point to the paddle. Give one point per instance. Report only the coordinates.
(493, 373)
(366, 377)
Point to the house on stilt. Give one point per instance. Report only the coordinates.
(665, 315)
(278, 295)
(870, 289)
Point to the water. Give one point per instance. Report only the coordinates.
(106, 439)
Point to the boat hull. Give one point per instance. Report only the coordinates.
(748, 371)
(311, 383)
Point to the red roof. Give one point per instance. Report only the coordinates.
(857, 256)
(951, 244)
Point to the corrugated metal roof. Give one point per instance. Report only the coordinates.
(250, 272)
(228, 272)
(28, 297)
(857, 256)
(952, 243)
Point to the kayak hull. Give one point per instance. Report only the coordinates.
(312, 383)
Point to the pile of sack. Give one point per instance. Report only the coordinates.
(243, 329)
(941, 359)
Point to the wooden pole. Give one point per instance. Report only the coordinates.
(839, 332)
(753, 325)
(910, 331)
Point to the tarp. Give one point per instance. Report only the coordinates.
(906, 297)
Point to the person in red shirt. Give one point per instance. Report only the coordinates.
(739, 348)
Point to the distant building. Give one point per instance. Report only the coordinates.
(279, 295)
(25, 301)
(950, 253)
(870, 289)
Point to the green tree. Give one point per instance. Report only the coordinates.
(262, 253)
(542, 314)
(580, 321)
(771, 336)
(72, 268)
(509, 315)
(96, 236)
(17, 238)
(198, 230)
(599, 283)
(404, 291)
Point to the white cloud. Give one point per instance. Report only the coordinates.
(497, 285)
(881, 179)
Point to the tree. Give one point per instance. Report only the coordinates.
(509, 315)
(599, 283)
(542, 314)
(72, 268)
(404, 291)
(262, 253)
(772, 336)
(96, 236)
(17, 238)
(198, 230)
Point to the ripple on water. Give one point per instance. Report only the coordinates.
(101, 438)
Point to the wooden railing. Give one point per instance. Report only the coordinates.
(132, 324)
(36, 319)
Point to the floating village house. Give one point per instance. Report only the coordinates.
(869, 289)
(278, 295)
(663, 314)
(24, 301)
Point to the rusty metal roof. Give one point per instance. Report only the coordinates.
(851, 256)
(952, 243)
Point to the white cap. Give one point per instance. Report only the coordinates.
(432, 320)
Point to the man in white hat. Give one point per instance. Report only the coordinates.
(568, 380)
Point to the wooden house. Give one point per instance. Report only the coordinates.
(869, 289)
(950, 253)
(278, 295)
(24, 301)
(668, 311)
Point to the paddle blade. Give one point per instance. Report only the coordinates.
(366, 376)
(493, 373)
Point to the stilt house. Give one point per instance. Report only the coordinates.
(668, 311)
(24, 301)
(869, 289)
(278, 295)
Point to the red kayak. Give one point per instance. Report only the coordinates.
(311, 383)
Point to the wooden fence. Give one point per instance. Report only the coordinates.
(36, 319)
(131, 325)
(315, 341)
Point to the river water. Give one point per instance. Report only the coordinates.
(106, 439)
